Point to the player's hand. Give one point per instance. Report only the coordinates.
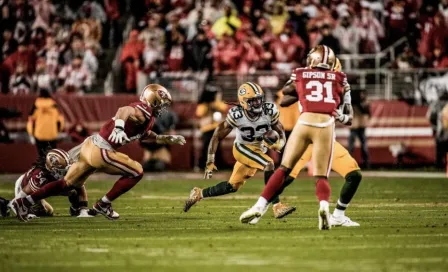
(209, 168)
(277, 146)
(118, 136)
(340, 116)
(171, 139)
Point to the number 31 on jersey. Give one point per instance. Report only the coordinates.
(317, 91)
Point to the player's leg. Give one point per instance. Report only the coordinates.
(248, 160)
(4, 207)
(295, 147)
(346, 166)
(323, 142)
(306, 157)
(115, 163)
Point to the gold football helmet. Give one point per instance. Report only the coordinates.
(157, 97)
(251, 97)
(57, 162)
(337, 66)
(321, 56)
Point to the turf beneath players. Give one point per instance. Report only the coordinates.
(403, 228)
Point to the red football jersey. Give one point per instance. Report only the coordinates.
(37, 178)
(319, 91)
(133, 131)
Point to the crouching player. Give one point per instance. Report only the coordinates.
(47, 170)
(252, 118)
(98, 153)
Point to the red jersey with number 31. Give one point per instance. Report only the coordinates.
(319, 91)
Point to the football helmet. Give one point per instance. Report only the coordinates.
(251, 97)
(157, 97)
(337, 66)
(321, 56)
(57, 162)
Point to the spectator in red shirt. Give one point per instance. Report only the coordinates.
(397, 13)
(425, 24)
(251, 52)
(24, 56)
(226, 55)
(287, 48)
(438, 35)
(176, 54)
(439, 59)
(130, 59)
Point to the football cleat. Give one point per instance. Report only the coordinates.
(257, 219)
(324, 218)
(281, 210)
(86, 213)
(4, 211)
(250, 214)
(342, 221)
(195, 197)
(19, 209)
(106, 210)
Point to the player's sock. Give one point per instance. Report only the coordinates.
(222, 188)
(105, 199)
(122, 185)
(352, 181)
(50, 189)
(275, 183)
(267, 176)
(323, 189)
(288, 180)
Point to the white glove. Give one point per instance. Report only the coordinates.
(341, 117)
(170, 139)
(118, 136)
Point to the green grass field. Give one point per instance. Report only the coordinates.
(404, 227)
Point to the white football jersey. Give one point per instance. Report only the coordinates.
(250, 131)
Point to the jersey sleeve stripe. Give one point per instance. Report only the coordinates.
(231, 121)
(251, 155)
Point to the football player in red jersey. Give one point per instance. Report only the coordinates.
(98, 153)
(319, 92)
(49, 169)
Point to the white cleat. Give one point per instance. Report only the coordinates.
(250, 214)
(324, 218)
(342, 221)
(84, 213)
(256, 219)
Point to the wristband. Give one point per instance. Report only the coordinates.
(119, 124)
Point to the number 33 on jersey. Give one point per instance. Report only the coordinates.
(250, 131)
(319, 91)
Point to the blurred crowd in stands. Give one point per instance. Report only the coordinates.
(246, 36)
(54, 44)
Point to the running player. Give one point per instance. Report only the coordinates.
(343, 164)
(319, 91)
(252, 118)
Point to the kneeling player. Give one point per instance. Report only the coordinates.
(55, 165)
(252, 118)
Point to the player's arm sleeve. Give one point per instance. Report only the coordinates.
(231, 118)
(275, 114)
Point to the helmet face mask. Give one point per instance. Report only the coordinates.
(255, 105)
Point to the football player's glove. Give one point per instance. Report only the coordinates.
(341, 117)
(210, 166)
(277, 146)
(170, 139)
(118, 136)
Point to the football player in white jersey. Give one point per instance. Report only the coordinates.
(252, 118)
